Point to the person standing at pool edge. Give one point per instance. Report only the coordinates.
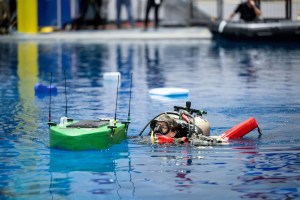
(156, 4)
(249, 11)
(119, 4)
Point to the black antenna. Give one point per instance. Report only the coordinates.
(115, 121)
(128, 117)
(49, 117)
(66, 93)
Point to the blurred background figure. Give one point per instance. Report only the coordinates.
(156, 4)
(128, 6)
(13, 15)
(96, 6)
(4, 17)
(249, 11)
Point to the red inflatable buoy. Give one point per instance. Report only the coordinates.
(162, 139)
(241, 129)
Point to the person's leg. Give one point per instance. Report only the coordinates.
(129, 12)
(83, 10)
(104, 14)
(118, 9)
(148, 7)
(97, 12)
(13, 12)
(156, 16)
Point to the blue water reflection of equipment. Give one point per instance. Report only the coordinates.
(93, 161)
(102, 163)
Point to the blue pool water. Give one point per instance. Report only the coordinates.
(232, 82)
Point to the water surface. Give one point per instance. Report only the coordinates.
(231, 81)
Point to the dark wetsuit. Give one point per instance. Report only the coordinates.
(246, 13)
(150, 4)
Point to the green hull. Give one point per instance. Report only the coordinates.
(76, 139)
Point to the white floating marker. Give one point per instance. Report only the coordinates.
(169, 92)
(111, 78)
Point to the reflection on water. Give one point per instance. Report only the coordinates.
(241, 172)
(155, 73)
(94, 161)
(230, 81)
(274, 170)
(70, 170)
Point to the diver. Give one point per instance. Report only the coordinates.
(186, 125)
(180, 126)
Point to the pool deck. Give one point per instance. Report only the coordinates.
(172, 33)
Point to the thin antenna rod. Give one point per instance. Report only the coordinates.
(66, 93)
(49, 117)
(115, 121)
(128, 117)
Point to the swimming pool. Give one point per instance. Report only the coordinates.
(231, 81)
